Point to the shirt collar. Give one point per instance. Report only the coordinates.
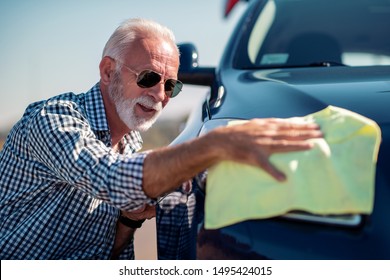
(95, 109)
(134, 142)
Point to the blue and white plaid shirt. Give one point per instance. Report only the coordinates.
(61, 183)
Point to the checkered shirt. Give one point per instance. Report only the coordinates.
(61, 183)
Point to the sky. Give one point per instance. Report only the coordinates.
(50, 47)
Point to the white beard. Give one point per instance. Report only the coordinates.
(126, 107)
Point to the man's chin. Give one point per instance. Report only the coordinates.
(140, 124)
(143, 128)
(144, 125)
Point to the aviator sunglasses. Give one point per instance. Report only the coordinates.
(149, 78)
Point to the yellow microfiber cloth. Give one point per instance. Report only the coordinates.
(335, 177)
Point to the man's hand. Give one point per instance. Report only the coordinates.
(255, 141)
(145, 212)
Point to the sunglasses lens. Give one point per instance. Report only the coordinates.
(147, 79)
(173, 87)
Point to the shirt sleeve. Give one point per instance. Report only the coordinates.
(66, 150)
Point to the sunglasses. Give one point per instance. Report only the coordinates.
(150, 78)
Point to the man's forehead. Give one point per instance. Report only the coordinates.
(155, 46)
(152, 50)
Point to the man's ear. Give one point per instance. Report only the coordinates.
(107, 68)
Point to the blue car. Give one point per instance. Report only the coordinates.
(289, 58)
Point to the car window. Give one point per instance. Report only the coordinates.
(313, 32)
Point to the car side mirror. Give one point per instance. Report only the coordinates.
(189, 70)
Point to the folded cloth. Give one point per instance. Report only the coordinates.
(337, 176)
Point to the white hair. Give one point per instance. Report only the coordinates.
(132, 29)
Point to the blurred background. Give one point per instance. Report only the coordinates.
(50, 47)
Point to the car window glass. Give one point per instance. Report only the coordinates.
(305, 32)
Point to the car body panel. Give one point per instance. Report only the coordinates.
(244, 89)
(302, 91)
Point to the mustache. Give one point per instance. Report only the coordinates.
(148, 102)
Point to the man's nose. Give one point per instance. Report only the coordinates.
(158, 92)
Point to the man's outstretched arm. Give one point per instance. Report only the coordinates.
(251, 143)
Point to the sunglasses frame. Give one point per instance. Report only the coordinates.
(175, 90)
